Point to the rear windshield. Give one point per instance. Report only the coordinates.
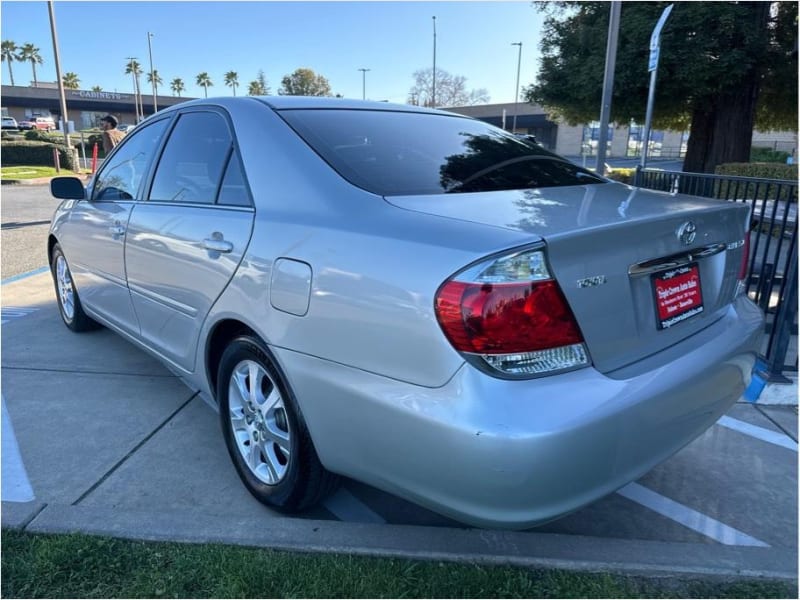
(407, 153)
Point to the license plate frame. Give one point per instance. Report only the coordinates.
(677, 294)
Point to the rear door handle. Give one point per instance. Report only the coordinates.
(117, 230)
(218, 245)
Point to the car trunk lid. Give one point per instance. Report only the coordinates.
(641, 270)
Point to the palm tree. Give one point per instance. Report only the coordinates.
(9, 55)
(204, 80)
(133, 67)
(71, 81)
(97, 88)
(232, 80)
(29, 52)
(157, 77)
(254, 89)
(177, 86)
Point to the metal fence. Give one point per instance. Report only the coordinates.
(772, 274)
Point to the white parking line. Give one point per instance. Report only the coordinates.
(15, 485)
(350, 509)
(13, 312)
(766, 435)
(688, 517)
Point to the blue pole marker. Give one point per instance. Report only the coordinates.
(757, 383)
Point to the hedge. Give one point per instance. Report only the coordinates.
(37, 154)
(761, 171)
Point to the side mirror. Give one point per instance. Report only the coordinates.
(67, 188)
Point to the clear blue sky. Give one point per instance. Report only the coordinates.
(335, 39)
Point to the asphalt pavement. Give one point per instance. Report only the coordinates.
(99, 437)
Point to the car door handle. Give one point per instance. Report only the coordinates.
(117, 230)
(218, 245)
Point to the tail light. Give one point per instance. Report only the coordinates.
(743, 266)
(510, 314)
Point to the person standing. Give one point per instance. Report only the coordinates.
(111, 135)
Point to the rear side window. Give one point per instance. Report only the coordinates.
(122, 172)
(191, 166)
(407, 153)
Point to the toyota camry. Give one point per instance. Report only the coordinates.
(410, 298)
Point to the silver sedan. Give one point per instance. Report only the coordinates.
(410, 298)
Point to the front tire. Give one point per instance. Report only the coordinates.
(69, 304)
(265, 434)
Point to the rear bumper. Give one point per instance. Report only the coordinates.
(518, 453)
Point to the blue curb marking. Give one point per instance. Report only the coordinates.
(25, 275)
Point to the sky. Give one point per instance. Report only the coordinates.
(335, 39)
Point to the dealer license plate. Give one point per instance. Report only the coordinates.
(678, 295)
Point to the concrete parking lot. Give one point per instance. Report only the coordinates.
(98, 437)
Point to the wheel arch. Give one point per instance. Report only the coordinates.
(219, 338)
(51, 242)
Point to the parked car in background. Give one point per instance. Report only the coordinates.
(126, 127)
(411, 298)
(10, 123)
(41, 123)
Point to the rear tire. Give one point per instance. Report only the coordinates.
(264, 431)
(69, 304)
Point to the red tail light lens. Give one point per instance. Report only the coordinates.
(504, 318)
(745, 264)
(511, 313)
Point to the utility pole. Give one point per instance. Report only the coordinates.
(364, 83)
(516, 94)
(433, 94)
(61, 94)
(153, 74)
(608, 86)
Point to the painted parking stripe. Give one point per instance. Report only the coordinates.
(15, 486)
(25, 275)
(13, 312)
(346, 507)
(688, 517)
(767, 435)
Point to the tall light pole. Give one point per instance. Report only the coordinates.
(364, 83)
(61, 93)
(608, 85)
(433, 93)
(516, 94)
(132, 65)
(152, 73)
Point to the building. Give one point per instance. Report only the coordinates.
(84, 108)
(581, 140)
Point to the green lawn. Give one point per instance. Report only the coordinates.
(31, 172)
(79, 566)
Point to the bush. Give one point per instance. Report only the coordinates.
(622, 175)
(759, 154)
(775, 171)
(37, 154)
(35, 135)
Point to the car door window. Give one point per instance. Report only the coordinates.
(122, 173)
(193, 160)
(234, 190)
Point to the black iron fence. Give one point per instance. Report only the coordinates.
(772, 274)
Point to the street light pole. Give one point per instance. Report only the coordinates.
(516, 95)
(364, 83)
(62, 95)
(433, 93)
(152, 73)
(608, 85)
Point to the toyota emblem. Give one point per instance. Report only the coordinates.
(687, 232)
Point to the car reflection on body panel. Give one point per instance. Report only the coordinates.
(410, 298)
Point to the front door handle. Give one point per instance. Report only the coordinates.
(217, 244)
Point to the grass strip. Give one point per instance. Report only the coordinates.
(32, 172)
(80, 566)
